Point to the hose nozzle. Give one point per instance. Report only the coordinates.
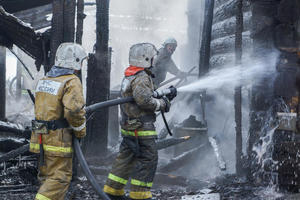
(160, 93)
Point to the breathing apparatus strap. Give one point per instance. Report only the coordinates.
(166, 123)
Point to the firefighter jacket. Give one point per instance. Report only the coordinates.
(59, 98)
(163, 64)
(138, 117)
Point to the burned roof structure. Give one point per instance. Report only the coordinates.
(15, 31)
(13, 6)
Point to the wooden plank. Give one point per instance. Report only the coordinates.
(227, 44)
(227, 27)
(228, 10)
(206, 37)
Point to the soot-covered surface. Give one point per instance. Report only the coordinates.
(20, 183)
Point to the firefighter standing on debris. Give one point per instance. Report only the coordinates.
(137, 157)
(59, 113)
(164, 62)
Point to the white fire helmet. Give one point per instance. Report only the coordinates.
(142, 55)
(170, 40)
(70, 56)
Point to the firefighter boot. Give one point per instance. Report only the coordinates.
(113, 197)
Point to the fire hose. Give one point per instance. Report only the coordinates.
(78, 152)
(77, 148)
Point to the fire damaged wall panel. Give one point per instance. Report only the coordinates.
(273, 30)
(284, 85)
(227, 44)
(228, 9)
(223, 32)
(227, 27)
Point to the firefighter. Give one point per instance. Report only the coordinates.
(137, 156)
(164, 62)
(59, 114)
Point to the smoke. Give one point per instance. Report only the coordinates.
(220, 85)
(135, 21)
(21, 110)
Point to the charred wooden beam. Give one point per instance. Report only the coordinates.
(57, 30)
(69, 20)
(238, 90)
(183, 159)
(13, 128)
(80, 18)
(227, 27)
(36, 17)
(170, 142)
(22, 35)
(206, 37)
(13, 6)
(227, 44)
(63, 26)
(2, 82)
(99, 77)
(14, 153)
(109, 158)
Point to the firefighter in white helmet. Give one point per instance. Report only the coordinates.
(59, 113)
(137, 158)
(164, 62)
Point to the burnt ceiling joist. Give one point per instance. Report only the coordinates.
(37, 17)
(22, 35)
(13, 6)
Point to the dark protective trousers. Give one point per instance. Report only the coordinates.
(55, 177)
(138, 163)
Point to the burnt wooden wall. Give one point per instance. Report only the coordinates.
(223, 32)
(275, 29)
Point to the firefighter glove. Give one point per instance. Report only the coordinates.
(167, 104)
